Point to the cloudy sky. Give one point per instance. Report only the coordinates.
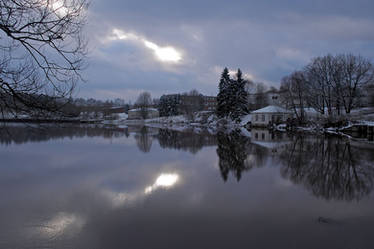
(170, 46)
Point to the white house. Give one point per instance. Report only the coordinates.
(138, 113)
(270, 115)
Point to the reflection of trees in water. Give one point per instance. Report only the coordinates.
(24, 134)
(143, 140)
(236, 154)
(329, 168)
(188, 141)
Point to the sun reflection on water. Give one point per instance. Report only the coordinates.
(163, 181)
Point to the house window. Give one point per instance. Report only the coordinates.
(256, 117)
(263, 117)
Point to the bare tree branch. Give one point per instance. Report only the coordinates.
(42, 51)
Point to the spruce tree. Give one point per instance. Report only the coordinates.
(239, 97)
(223, 97)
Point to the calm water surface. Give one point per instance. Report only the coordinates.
(92, 187)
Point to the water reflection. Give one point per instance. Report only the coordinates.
(61, 224)
(330, 168)
(144, 139)
(187, 140)
(109, 193)
(20, 134)
(162, 181)
(232, 153)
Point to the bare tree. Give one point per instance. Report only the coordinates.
(143, 102)
(294, 93)
(42, 52)
(320, 82)
(335, 82)
(356, 72)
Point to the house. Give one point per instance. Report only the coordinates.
(139, 113)
(270, 115)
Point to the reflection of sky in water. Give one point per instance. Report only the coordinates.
(62, 223)
(103, 192)
(162, 181)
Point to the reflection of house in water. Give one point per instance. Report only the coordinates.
(275, 142)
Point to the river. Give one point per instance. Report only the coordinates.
(91, 187)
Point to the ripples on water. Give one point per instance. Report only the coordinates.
(141, 187)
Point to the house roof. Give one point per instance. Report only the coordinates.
(139, 109)
(272, 109)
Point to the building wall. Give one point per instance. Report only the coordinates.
(194, 103)
(263, 119)
(210, 103)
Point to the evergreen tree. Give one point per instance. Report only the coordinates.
(169, 105)
(239, 97)
(223, 97)
(163, 106)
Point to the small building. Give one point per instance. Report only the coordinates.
(210, 103)
(139, 113)
(192, 103)
(270, 115)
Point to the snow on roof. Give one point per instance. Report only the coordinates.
(272, 109)
(138, 109)
(245, 119)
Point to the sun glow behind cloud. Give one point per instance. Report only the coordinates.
(165, 54)
(60, 7)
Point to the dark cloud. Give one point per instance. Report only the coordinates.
(266, 39)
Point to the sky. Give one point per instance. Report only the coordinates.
(173, 46)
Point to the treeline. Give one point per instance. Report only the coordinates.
(331, 85)
(44, 106)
